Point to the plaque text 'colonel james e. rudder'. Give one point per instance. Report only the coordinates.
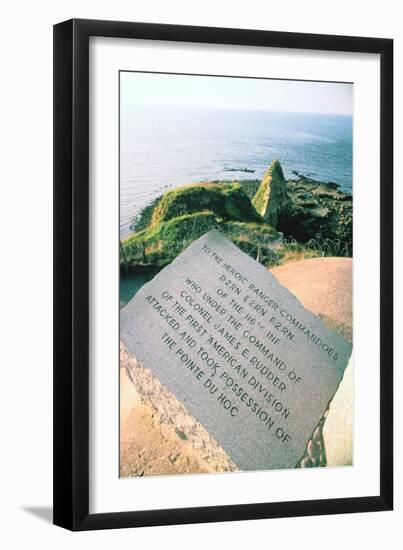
(238, 350)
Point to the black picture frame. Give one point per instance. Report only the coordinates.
(71, 274)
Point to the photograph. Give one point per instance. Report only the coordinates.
(199, 339)
(236, 262)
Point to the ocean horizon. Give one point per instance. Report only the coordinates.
(161, 148)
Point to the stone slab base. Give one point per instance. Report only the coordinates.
(159, 437)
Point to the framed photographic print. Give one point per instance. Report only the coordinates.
(223, 274)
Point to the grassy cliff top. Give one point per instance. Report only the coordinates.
(228, 202)
(254, 215)
(161, 242)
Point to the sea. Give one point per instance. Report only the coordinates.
(162, 148)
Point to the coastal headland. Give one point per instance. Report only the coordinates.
(273, 220)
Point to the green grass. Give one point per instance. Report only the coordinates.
(143, 218)
(180, 216)
(249, 187)
(228, 202)
(292, 250)
(159, 244)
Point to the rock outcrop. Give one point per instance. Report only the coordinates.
(318, 209)
(184, 214)
(253, 214)
(271, 200)
(304, 208)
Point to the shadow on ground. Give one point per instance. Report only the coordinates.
(45, 513)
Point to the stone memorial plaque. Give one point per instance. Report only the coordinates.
(240, 352)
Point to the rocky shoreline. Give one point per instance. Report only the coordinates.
(256, 215)
(304, 208)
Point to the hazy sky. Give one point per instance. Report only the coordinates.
(235, 93)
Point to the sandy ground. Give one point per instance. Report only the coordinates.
(323, 285)
(150, 446)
